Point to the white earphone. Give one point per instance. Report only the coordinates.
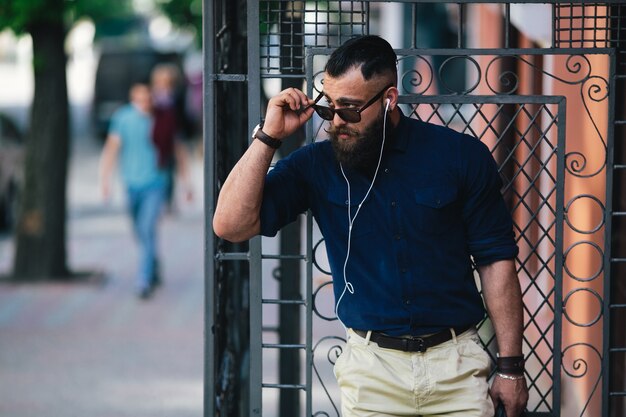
(348, 285)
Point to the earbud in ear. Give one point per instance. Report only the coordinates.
(388, 102)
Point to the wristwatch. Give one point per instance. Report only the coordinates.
(259, 134)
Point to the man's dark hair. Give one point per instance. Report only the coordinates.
(371, 53)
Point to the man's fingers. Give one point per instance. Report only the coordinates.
(306, 114)
(293, 98)
(494, 399)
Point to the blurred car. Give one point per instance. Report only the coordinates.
(118, 69)
(11, 171)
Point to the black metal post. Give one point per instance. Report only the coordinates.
(226, 136)
(291, 63)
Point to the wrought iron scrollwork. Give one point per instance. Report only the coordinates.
(418, 79)
(336, 349)
(316, 258)
(580, 367)
(315, 298)
(472, 84)
(593, 295)
(576, 199)
(593, 88)
(508, 79)
(586, 244)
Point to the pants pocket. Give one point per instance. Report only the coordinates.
(340, 362)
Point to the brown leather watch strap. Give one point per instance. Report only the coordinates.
(259, 134)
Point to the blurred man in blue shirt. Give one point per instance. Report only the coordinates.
(130, 137)
(406, 208)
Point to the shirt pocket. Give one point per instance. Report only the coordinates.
(338, 198)
(436, 212)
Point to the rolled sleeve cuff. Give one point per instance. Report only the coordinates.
(488, 251)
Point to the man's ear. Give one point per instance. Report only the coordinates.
(392, 96)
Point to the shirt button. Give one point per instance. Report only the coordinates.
(407, 302)
(393, 204)
(398, 237)
(386, 170)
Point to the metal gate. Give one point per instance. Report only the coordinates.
(552, 115)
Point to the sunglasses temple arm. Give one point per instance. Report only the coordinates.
(305, 108)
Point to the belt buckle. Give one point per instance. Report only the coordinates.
(419, 341)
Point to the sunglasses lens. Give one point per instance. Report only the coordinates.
(324, 112)
(349, 115)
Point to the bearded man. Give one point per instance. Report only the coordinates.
(406, 209)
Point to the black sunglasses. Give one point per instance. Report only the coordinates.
(347, 114)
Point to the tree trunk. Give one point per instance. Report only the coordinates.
(40, 236)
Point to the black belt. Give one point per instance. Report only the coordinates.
(412, 343)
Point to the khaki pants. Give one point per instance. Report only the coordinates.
(447, 380)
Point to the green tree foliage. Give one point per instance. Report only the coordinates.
(19, 15)
(184, 13)
(40, 233)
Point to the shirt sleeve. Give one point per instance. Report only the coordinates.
(489, 225)
(114, 125)
(286, 192)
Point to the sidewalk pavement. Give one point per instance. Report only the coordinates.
(93, 348)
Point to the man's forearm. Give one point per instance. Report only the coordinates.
(108, 159)
(503, 298)
(239, 203)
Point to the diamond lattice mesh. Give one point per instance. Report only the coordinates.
(523, 140)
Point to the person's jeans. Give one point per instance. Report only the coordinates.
(146, 205)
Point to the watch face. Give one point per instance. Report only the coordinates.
(256, 129)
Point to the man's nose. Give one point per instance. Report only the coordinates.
(338, 121)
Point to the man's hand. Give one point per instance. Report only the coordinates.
(512, 393)
(284, 113)
(107, 162)
(105, 189)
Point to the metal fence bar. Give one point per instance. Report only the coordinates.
(557, 359)
(284, 386)
(255, 293)
(309, 316)
(232, 256)
(208, 91)
(553, 37)
(608, 228)
(283, 346)
(461, 24)
(271, 301)
(485, 51)
(308, 56)
(507, 25)
(479, 99)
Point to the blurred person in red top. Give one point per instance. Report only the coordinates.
(169, 127)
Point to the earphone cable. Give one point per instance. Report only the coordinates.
(347, 284)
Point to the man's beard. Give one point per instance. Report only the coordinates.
(363, 151)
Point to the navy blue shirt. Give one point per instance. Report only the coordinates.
(435, 205)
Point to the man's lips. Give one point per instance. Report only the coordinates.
(344, 134)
